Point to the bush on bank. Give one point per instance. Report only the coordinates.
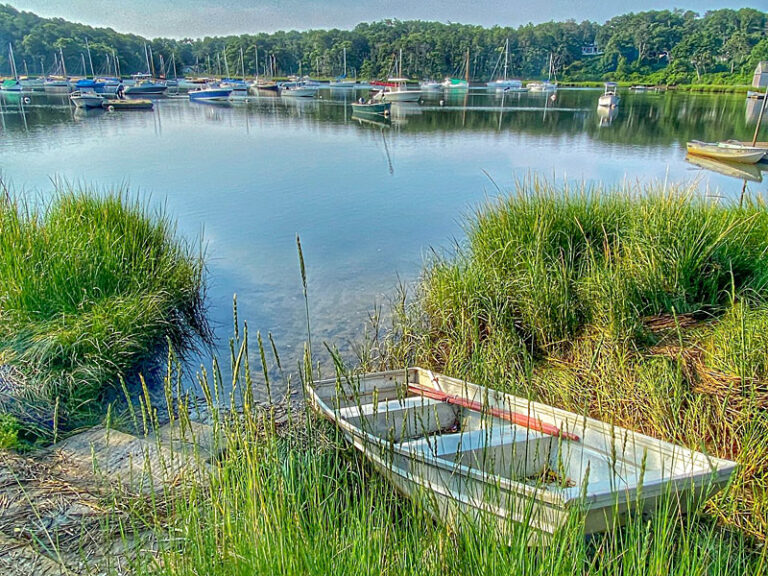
(91, 285)
(648, 308)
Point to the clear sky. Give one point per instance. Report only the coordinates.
(197, 18)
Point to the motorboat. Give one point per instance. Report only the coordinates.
(210, 93)
(86, 99)
(395, 90)
(609, 98)
(145, 85)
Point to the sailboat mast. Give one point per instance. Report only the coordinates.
(506, 58)
(466, 72)
(256, 50)
(242, 62)
(90, 60)
(12, 61)
(151, 60)
(226, 64)
(82, 61)
(63, 64)
(345, 61)
(146, 56)
(400, 64)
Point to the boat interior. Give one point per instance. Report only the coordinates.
(471, 430)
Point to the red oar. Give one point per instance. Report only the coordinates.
(514, 417)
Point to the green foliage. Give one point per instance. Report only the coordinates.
(642, 307)
(9, 432)
(548, 264)
(673, 47)
(90, 286)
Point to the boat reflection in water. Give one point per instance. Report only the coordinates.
(739, 170)
(606, 115)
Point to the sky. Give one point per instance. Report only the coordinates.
(197, 18)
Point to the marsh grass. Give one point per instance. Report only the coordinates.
(91, 286)
(292, 497)
(640, 306)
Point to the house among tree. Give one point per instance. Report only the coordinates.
(760, 79)
(591, 50)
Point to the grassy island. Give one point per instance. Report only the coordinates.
(91, 285)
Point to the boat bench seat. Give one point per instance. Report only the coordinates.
(511, 451)
(402, 418)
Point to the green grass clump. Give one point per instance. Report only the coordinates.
(642, 307)
(90, 286)
(550, 264)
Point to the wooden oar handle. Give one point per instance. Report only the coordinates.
(509, 416)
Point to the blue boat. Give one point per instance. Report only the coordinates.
(145, 86)
(210, 93)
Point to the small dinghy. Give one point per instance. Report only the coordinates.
(381, 108)
(471, 451)
(731, 150)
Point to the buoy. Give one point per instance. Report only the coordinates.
(111, 108)
(27, 100)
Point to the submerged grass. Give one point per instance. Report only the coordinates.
(90, 286)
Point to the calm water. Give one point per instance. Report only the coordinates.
(369, 201)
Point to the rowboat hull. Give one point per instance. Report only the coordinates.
(469, 452)
(735, 152)
(376, 108)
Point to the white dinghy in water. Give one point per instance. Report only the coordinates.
(478, 452)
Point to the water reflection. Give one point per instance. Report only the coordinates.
(749, 172)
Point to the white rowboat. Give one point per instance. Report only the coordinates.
(480, 453)
(729, 151)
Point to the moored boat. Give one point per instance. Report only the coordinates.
(396, 90)
(126, 104)
(382, 108)
(505, 83)
(468, 451)
(609, 98)
(86, 99)
(210, 93)
(732, 151)
(145, 86)
(299, 89)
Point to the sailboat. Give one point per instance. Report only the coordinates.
(59, 82)
(547, 85)
(342, 81)
(458, 83)
(11, 84)
(238, 87)
(505, 83)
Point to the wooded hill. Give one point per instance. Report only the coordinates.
(660, 47)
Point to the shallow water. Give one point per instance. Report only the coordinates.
(368, 200)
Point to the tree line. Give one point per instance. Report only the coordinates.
(661, 47)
